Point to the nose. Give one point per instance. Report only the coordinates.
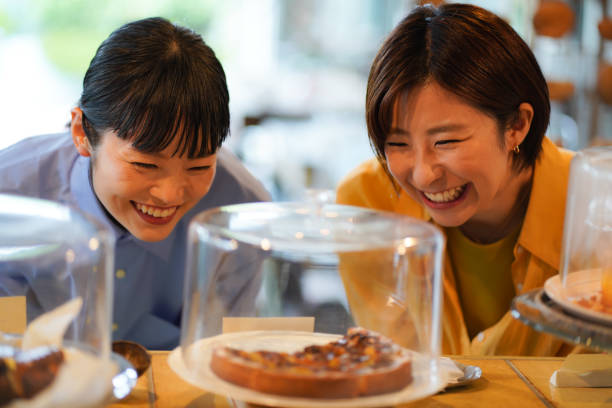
(169, 190)
(425, 169)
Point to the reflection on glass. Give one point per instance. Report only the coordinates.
(338, 266)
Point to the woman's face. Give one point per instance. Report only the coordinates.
(148, 193)
(448, 156)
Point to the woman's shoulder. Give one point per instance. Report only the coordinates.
(542, 230)
(555, 155)
(37, 166)
(553, 164)
(37, 147)
(369, 185)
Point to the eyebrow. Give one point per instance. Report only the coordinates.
(431, 131)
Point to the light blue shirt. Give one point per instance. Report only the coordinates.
(149, 276)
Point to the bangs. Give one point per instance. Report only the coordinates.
(155, 131)
(153, 122)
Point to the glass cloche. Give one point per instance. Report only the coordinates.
(56, 294)
(584, 284)
(576, 304)
(282, 276)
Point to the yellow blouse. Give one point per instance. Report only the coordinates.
(536, 256)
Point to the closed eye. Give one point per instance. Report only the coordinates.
(446, 142)
(199, 168)
(396, 144)
(145, 165)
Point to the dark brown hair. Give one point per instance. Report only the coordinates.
(151, 81)
(470, 52)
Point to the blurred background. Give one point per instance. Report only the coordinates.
(296, 70)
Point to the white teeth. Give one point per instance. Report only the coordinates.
(445, 196)
(154, 211)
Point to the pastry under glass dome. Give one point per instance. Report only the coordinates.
(51, 254)
(56, 276)
(310, 268)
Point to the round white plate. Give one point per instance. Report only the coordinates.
(581, 284)
(424, 384)
(67, 389)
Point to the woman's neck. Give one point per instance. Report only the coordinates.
(489, 231)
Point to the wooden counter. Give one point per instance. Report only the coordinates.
(506, 382)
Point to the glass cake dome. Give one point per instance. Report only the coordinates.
(49, 255)
(281, 276)
(584, 284)
(56, 299)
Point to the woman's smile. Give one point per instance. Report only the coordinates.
(153, 214)
(446, 198)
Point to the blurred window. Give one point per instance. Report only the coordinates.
(296, 70)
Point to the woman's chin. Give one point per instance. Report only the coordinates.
(151, 236)
(151, 233)
(450, 217)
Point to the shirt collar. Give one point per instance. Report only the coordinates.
(80, 185)
(542, 231)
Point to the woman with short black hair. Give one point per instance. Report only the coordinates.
(143, 156)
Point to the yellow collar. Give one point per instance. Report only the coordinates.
(542, 231)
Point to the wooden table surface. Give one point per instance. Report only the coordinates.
(506, 382)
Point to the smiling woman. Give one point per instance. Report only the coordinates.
(143, 156)
(147, 193)
(456, 109)
(452, 158)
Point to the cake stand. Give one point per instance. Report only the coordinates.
(536, 309)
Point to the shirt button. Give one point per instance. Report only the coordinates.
(480, 337)
(120, 274)
(115, 326)
(519, 287)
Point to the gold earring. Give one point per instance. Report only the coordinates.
(516, 149)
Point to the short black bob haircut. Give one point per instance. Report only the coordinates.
(150, 82)
(470, 52)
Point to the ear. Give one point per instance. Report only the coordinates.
(517, 131)
(78, 133)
